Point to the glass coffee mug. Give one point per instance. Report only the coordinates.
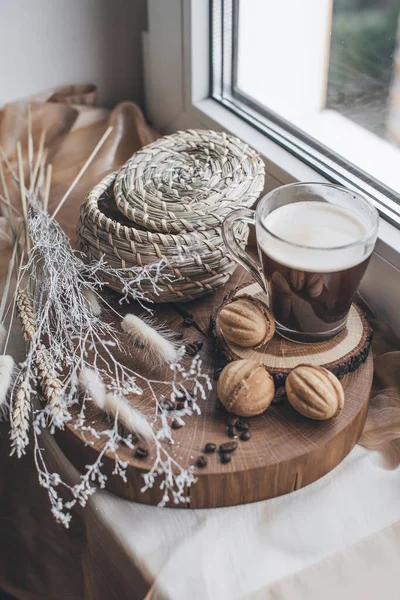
(314, 244)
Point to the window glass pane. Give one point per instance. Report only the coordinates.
(331, 68)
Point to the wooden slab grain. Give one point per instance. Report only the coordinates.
(341, 354)
(286, 450)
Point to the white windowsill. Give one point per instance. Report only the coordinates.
(372, 154)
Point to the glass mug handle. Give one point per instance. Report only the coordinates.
(235, 250)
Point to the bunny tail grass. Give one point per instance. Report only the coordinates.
(114, 405)
(156, 343)
(129, 417)
(6, 373)
(92, 301)
(93, 384)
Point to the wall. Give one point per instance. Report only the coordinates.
(46, 43)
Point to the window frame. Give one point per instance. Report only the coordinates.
(315, 154)
(177, 68)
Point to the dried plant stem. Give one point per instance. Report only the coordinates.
(40, 177)
(83, 169)
(20, 417)
(51, 385)
(3, 337)
(24, 200)
(60, 303)
(30, 142)
(9, 167)
(13, 303)
(6, 201)
(49, 174)
(38, 161)
(26, 315)
(7, 284)
(5, 190)
(9, 207)
(52, 389)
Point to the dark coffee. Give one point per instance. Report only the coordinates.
(312, 304)
(313, 260)
(314, 242)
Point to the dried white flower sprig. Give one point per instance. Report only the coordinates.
(72, 343)
(155, 340)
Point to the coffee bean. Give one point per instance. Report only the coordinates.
(180, 405)
(210, 447)
(277, 400)
(242, 425)
(176, 424)
(232, 432)
(188, 322)
(191, 349)
(225, 458)
(201, 461)
(232, 420)
(228, 447)
(141, 452)
(168, 405)
(279, 395)
(211, 325)
(177, 336)
(245, 436)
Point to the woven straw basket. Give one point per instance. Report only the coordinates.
(168, 201)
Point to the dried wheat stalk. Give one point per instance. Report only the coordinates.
(51, 386)
(52, 389)
(26, 315)
(20, 417)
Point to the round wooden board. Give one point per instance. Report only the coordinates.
(286, 451)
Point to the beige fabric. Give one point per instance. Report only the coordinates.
(368, 570)
(337, 538)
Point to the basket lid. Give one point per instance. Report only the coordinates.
(188, 181)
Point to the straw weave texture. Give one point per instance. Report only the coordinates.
(168, 201)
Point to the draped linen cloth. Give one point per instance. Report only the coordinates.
(339, 537)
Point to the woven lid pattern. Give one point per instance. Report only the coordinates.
(187, 181)
(168, 201)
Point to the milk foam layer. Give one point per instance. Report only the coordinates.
(318, 225)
